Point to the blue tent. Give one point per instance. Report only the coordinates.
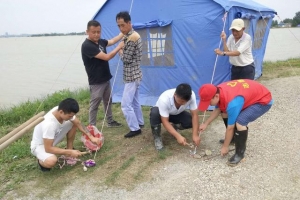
(179, 38)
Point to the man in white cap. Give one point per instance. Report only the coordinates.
(239, 50)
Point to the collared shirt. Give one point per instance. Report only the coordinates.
(244, 46)
(132, 56)
(166, 104)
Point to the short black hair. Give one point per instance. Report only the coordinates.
(93, 23)
(184, 91)
(124, 15)
(68, 106)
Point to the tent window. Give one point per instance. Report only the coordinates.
(157, 46)
(260, 33)
(247, 25)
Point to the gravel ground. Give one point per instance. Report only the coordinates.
(270, 170)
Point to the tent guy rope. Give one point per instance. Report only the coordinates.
(193, 152)
(114, 80)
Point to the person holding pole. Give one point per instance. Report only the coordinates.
(238, 48)
(59, 122)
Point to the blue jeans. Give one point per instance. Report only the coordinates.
(131, 107)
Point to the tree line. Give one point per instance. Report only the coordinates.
(294, 22)
(56, 34)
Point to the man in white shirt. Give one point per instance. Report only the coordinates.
(59, 122)
(171, 108)
(239, 49)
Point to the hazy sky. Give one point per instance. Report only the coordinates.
(284, 8)
(46, 16)
(64, 16)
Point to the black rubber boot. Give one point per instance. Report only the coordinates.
(156, 129)
(240, 147)
(225, 120)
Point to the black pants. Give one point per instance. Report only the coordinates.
(184, 118)
(245, 72)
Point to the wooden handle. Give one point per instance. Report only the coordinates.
(19, 128)
(20, 133)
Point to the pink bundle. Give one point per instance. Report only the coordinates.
(67, 160)
(88, 143)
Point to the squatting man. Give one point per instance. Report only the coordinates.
(244, 101)
(59, 122)
(171, 108)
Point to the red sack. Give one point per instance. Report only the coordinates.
(88, 143)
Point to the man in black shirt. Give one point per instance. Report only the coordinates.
(95, 59)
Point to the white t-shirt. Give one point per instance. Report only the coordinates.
(244, 46)
(50, 128)
(166, 104)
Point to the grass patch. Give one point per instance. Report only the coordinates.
(280, 69)
(112, 178)
(120, 162)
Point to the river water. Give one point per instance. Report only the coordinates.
(32, 67)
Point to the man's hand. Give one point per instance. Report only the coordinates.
(196, 140)
(202, 127)
(218, 51)
(224, 150)
(121, 45)
(75, 153)
(120, 52)
(223, 35)
(181, 140)
(95, 140)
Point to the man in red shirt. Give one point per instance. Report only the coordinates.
(243, 101)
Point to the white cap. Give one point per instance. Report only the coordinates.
(237, 24)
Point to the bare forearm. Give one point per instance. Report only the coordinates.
(195, 122)
(171, 129)
(213, 116)
(228, 135)
(81, 128)
(57, 150)
(225, 45)
(115, 39)
(108, 56)
(113, 52)
(232, 53)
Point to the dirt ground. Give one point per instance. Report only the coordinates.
(270, 170)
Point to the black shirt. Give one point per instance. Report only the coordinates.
(97, 70)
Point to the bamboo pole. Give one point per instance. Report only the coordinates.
(16, 130)
(20, 133)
